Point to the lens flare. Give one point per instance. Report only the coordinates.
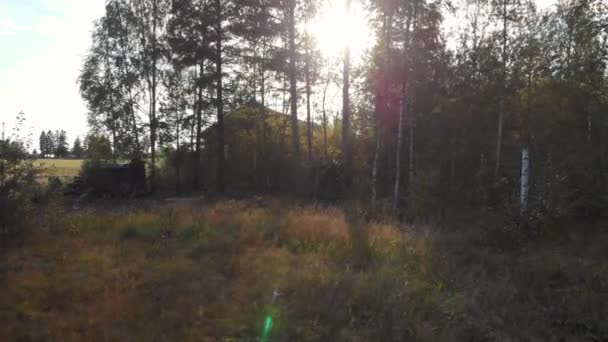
(267, 327)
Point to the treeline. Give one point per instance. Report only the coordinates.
(510, 113)
(55, 144)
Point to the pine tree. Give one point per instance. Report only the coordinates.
(42, 144)
(60, 144)
(77, 149)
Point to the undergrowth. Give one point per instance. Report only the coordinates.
(209, 273)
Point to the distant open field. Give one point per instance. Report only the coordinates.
(62, 168)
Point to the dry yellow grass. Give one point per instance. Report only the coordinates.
(64, 169)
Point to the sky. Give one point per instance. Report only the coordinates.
(42, 45)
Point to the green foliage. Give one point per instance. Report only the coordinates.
(98, 148)
(77, 148)
(424, 198)
(61, 144)
(17, 183)
(145, 233)
(545, 70)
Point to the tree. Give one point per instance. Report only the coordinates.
(219, 37)
(77, 149)
(98, 148)
(173, 107)
(98, 82)
(258, 28)
(507, 11)
(17, 177)
(311, 56)
(405, 105)
(346, 112)
(50, 142)
(61, 144)
(151, 16)
(293, 95)
(189, 37)
(123, 21)
(381, 82)
(436, 124)
(42, 144)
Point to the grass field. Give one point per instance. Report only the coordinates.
(62, 168)
(267, 270)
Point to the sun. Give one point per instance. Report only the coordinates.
(334, 29)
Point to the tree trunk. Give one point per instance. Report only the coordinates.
(412, 130)
(178, 158)
(220, 101)
(412, 114)
(113, 119)
(402, 114)
(375, 165)
(399, 144)
(199, 125)
(501, 95)
(293, 83)
(525, 176)
(263, 150)
(308, 118)
(192, 124)
(111, 114)
(346, 124)
(387, 28)
(153, 101)
(525, 155)
(325, 152)
(589, 128)
(123, 45)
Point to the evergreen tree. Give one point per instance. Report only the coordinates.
(61, 144)
(50, 142)
(77, 148)
(42, 145)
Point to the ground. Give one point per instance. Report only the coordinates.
(267, 269)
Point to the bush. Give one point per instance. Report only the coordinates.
(424, 199)
(17, 184)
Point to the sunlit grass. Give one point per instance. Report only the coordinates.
(63, 169)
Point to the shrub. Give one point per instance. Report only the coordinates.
(423, 197)
(17, 184)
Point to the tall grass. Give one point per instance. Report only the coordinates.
(185, 272)
(216, 272)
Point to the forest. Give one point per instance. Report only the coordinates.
(506, 110)
(439, 174)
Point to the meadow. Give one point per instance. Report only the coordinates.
(64, 169)
(265, 269)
